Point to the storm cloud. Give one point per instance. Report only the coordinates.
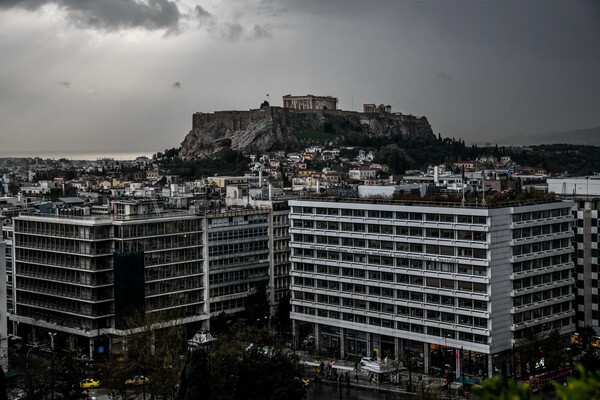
(111, 14)
(128, 74)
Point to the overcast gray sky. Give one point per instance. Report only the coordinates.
(127, 75)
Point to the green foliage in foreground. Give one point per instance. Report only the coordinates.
(585, 386)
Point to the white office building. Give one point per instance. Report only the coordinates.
(584, 191)
(430, 283)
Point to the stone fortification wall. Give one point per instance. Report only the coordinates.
(233, 120)
(257, 131)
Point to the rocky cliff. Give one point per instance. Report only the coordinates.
(275, 128)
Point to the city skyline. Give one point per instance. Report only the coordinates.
(123, 75)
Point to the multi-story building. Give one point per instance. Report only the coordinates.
(3, 310)
(82, 274)
(416, 279)
(585, 194)
(237, 247)
(279, 235)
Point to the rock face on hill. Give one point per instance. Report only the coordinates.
(275, 128)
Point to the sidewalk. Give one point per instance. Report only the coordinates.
(419, 381)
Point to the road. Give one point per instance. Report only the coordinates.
(330, 392)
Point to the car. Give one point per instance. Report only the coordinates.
(89, 383)
(137, 380)
(367, 360)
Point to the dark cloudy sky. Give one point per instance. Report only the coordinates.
(127, 75)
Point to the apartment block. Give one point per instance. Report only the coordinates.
(431, 283)
(238, 253)
(584, 191)
(81, 275)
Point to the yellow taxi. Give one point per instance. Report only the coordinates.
(89, 383)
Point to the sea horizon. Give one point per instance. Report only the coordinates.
(79, 155)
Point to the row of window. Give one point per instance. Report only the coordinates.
(168, 286)
(173, 256)
(227, 305)
(463, 269)
(64, 245)
(65, 260)
(534, 215)
(542, 295)
(63, 230)
(179, 300)
(241, 275)
(531, 331)
(236, 248)
(230, 289)
(448, 251)
(403, 294)
(542, 312)
(56, 289)
(541, 278)
(415, 312)
(400, 325)
(71, 276)
(536, 263)
(402, 215)
(159, 243)
(230, 262)
(238, 220)
(436, 233)
(190, 225)
(173, 270)
(541, 246)
(238, 234)
(540, 230)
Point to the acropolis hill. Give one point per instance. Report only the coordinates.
(284, 128)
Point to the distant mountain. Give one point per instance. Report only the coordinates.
(589, 136)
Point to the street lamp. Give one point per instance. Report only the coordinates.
(27, 355)
(52, 334)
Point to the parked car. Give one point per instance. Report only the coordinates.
(89, 383)
(367, 360)
(137, 380)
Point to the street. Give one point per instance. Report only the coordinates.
(329, 392)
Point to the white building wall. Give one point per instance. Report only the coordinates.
(3, 309)
(499, 270)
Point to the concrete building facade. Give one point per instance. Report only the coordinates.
(430, 283)
(81, 275)
(585, 193)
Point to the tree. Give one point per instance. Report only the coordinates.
(258, 309)
(281, 317)
(155, 349)
(584, 386)
(249, 363)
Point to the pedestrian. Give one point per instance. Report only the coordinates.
(356, 377)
